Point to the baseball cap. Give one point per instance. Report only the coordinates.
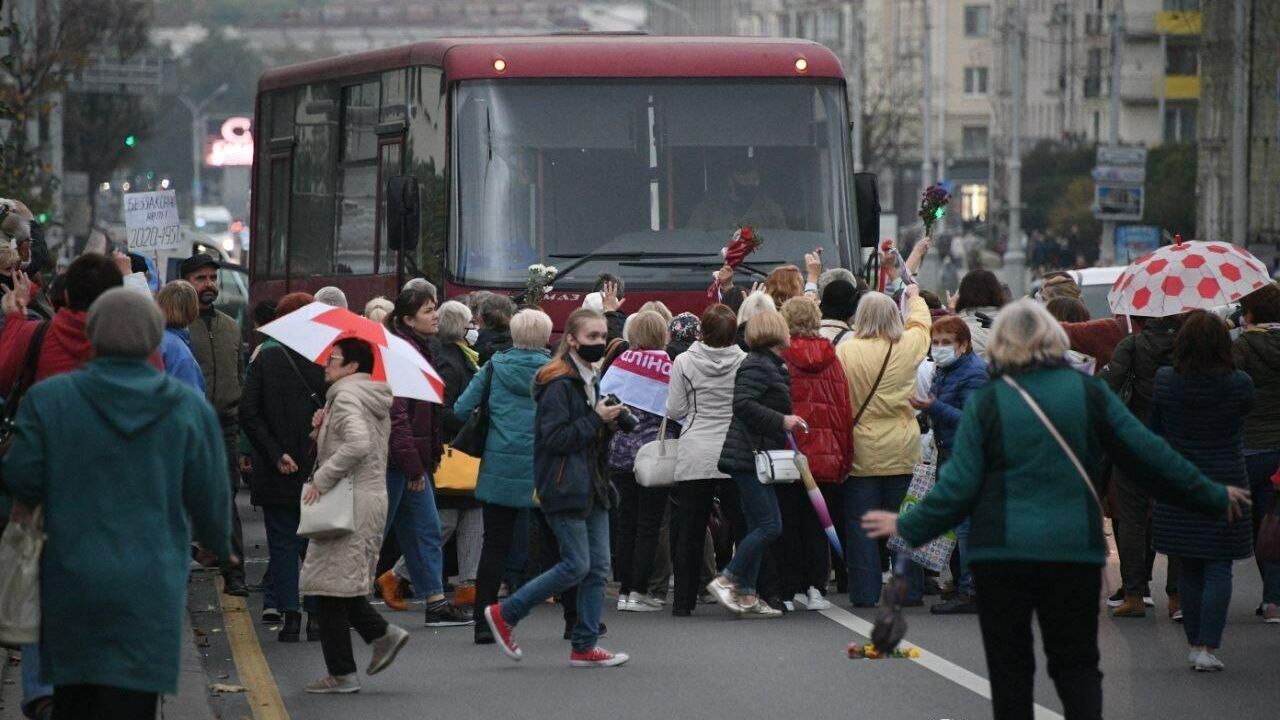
(195, 262)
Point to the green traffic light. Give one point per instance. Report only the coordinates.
(151, 174)
(130, 140)
(937, 214)
(43, 218)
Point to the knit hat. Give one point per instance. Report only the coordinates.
(124, 323)
(839, 301)
(685, 327)
(1059, 286)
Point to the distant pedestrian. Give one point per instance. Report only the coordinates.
(978, 300)
(181, 306)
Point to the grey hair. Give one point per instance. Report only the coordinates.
(754, 304)
(837, 273)
(878, 317)
(422, 284)
(531, 329)
(330, 295)
(454, 318)
(1025, 333)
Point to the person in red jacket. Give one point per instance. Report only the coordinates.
(65, 347)
(820, 395)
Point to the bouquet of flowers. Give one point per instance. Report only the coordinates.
(745, 241)
(933, 205)
(539, 282)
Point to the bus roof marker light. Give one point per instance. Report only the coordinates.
(500, 65)
(802, 65)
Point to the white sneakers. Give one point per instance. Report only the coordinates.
(761, 610)
(334, 685)
(724, 595)
(813, 600)
(386, 648)
(1204, 661)
(636, 602)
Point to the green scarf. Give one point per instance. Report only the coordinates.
(473, 357)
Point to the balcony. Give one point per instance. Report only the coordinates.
(1182, 87)
(1139, 88)
(1179, 23)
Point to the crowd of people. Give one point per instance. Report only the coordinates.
(1027, 410)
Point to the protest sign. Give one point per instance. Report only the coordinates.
(151, 219)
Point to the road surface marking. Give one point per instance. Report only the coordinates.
(255, 672)
(933, 662)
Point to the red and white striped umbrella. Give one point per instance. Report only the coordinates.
(312, 331)
(1187, 276)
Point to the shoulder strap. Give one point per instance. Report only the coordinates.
(1048, 425)
(488, 385)
(874, 386)
(288, 355)
(27, 373)
(840, 336)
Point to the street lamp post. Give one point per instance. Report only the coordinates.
(197, 138)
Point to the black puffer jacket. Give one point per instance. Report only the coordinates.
(761, 399)
(1146, 352)
(1257, 353)
(492, 342)
(569, 468)
(456, 371)
(275, 414)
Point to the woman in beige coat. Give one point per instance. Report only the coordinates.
(352, 443)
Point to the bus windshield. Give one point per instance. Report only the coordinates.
(647, 179)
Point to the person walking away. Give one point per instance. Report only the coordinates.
(1026, 469)
(572, 430)
(1199, 406)
(1257, 353)
(839, 305)
(685, 330)
(820, 395)
(880, 364)
(701, 397)
(1134, 364)
(118, 455)
(640, 509)
(977, 302)
(217, 346)
(181, 306)
(959, 373)
(282, 392)
(505, 485)
(351, 443)
(762, 417)
(417, 444)
(496, 312)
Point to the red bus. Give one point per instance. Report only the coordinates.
(635, 155)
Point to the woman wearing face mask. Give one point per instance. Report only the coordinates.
(959, 372)
(572, 428)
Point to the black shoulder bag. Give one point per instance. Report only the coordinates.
(288, 355)
(474, 432)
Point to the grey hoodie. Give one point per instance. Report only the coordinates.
(701, 396)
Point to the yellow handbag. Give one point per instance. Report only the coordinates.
(458, 472)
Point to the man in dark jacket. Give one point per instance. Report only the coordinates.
(216, 343)
(282, 392)
(496, 312)
(1134, 364)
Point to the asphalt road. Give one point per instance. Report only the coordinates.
(712, 665)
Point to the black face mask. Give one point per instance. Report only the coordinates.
(591, 353)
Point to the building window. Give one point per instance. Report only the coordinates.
(1180, 124)
(975, 141)
(975, 81)
(1182, 5)
(1182, 60)
(973, 202)
(977, 20)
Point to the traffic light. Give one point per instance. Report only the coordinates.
(130, 140)
(151, 174)
(937, 214)
(43, 218)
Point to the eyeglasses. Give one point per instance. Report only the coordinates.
(336, 356)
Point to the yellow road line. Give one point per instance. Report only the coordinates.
(255, 673)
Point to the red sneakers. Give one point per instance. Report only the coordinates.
(597, 657)
(502, 631)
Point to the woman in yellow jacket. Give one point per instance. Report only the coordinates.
(880, 364)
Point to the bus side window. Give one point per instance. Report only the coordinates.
(315, 157)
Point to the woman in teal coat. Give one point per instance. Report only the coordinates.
(129, 466)
(505, 485)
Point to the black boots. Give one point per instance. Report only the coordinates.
(292, 630)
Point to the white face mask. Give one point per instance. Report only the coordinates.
(944, 355)
(473, 336)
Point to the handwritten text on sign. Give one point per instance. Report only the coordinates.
(152, 221)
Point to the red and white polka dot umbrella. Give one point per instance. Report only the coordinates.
(1187, 276)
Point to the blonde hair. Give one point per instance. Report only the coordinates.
(530, 330)
(878, 317)
(179, 303)
(658, 307)
(378, 309)
(753, 305)
(646, 330)
(9, 258)
(802, 316)
(1025, 333)
(767, 330)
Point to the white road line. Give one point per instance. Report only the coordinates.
(933, 662)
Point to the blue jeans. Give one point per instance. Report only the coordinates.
(862, 495)
(32, 688)
(414, 517)
(1205, 588)
(286, 550)
(764, 525)
(584, 562)
(1262, 465)
(965, 582)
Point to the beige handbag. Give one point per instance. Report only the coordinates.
(333, 515)
(655, 464)
(20, 549)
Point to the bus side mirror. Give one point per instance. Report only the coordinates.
(867, 199)
(402, 213)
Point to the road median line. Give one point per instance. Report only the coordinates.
(251, 664)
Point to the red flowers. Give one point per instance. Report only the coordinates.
(745, 241)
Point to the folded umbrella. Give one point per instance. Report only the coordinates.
(815, 495)
(1187, 276)
(312, 330)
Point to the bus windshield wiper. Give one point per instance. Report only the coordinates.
(582, 259)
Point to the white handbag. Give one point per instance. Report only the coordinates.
(20, 549)
(777, 466)
(333, 515)
(655, 464)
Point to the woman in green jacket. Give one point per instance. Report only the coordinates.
(1037, 542)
